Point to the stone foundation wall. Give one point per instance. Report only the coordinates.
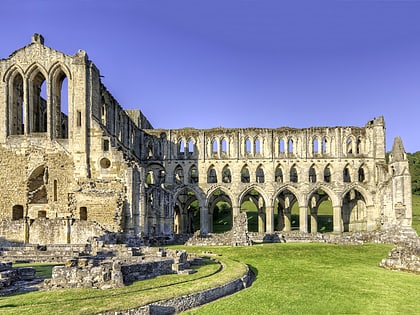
(186, 302)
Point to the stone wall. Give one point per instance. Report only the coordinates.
(186, 302)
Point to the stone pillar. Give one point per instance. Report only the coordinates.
(287, 220)
(280, 219)
(303, 219)
(204, 220)
(68, 230)
(314, 220)
(26, 230)
(269, 220)
(337, 220)
(26, 106)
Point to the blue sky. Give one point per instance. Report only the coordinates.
(248, 63)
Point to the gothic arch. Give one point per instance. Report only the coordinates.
(222, 219)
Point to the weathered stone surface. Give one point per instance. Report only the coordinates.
(94, 169)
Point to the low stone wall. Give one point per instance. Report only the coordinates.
(13, 280)
(186, 302)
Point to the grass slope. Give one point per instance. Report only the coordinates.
(318, 279)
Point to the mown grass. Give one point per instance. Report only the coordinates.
(318, 279)
(90, 301)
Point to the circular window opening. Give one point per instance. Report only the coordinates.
(105, 163)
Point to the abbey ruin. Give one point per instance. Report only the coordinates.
(84, 167)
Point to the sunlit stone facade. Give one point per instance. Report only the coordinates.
(75, 164)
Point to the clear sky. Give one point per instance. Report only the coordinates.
(249, 63)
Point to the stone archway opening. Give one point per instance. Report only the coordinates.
(220, 212)
(254, 205)
(186, 212)
(354, 212)
(286, 212)
(320, 212)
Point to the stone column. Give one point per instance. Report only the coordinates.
(204, 220)
(337, 220)
(269, 227)
(287, 220)
(303, 219)
(280, 219)
(314, 220)
(26, 106)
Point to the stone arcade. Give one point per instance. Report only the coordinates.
(81, 168)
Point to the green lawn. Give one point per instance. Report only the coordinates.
(318, 279)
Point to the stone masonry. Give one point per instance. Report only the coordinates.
(74, 165)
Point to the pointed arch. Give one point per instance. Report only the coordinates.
(224, 146)
(328, 171)
(179, 175)
(211, 175)
(354, 211)
(278, 174)
(286, 209)
(312, 174)
(259, 174)
(193, 174)
(294, 174)
(257, 146)
(245, 175)
(253, 201)
(219, 204)
(347, 174)
(60, 81)
(38, 98)
(226, 174)
(248, 147)
(16, 106)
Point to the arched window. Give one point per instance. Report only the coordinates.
(38, 103)
(358, 146)
(324, 145)
(281, 146)
(260, 175)
(181, 147)
(290, 146)
(226, 175)
(214, 148)
(278, 175)
(190, 146)
(224, 146)
(293, 174)
(103, 112)
(361, 174)
(257, 146)
(312, 174)
(245, 175)
(247, 146)
(193, 174)
(346, 175)
(16, 106)
(327, 174)
(211, 175)
(349, 149)
(315, 146)
(179, 175)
